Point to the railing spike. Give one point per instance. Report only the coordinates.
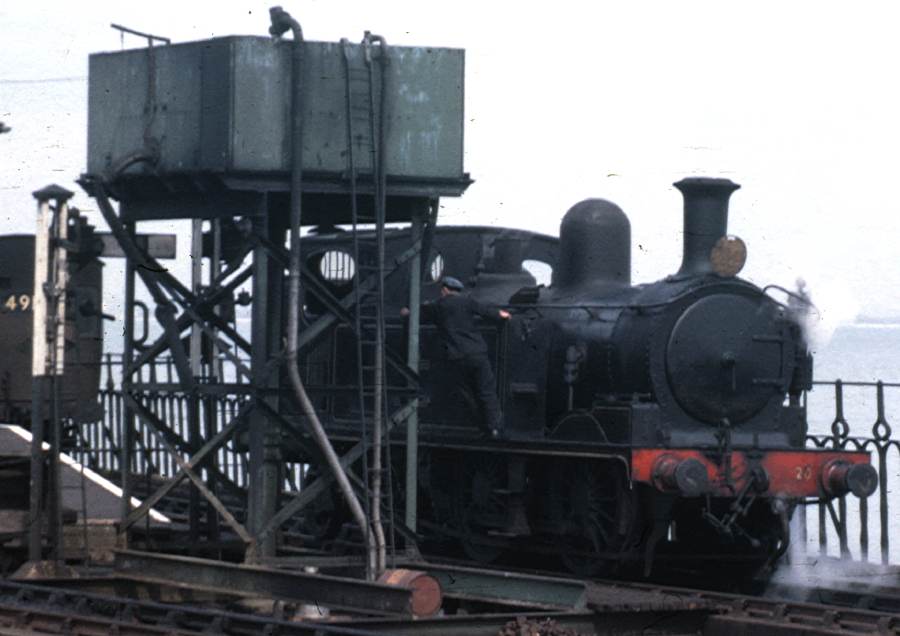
(881, 430)
(840, 429)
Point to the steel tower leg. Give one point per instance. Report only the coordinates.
(265, 467)
(128, 419)
(195, 355)
(412, 359)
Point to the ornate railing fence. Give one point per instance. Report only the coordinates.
(848, 527)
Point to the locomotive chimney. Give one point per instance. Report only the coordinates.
(507, 257)
(594, 246)
(705, 221)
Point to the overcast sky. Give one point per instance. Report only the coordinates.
(796, 101)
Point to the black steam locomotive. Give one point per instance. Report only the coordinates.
(641, 421)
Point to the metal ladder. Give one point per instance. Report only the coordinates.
(365, 135)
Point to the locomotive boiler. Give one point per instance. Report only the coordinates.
(647, 421)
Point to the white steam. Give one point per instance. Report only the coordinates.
(809, 571)
(829, 304)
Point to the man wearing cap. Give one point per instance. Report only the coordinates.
(454, 315)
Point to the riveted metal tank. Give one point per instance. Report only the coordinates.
(221, 106)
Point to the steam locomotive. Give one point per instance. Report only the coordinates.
(641, 421)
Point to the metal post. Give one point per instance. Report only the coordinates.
(275, 314)
(47, 362)
(126, 440)
(39, 376)
(212, 416)
(196, 273)
(265, 326)
(412, 360)
(59, 277)
(215, 268)
(196, 372)
(38, 393)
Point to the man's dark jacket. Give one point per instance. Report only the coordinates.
(454, 316)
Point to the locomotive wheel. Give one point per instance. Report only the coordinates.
(597, 516)
(479, 506)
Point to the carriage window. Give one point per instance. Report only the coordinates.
(541, 271)
(436, 269)
(337, 266)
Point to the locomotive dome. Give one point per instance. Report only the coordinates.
(595, 246)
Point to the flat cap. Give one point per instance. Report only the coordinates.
(452, 283)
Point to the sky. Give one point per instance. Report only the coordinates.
(798, 102)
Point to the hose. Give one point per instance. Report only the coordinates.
(281, 22)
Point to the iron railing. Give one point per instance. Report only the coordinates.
(845, 527)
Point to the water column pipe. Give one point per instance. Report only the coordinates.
(281, 23)
(378, 169)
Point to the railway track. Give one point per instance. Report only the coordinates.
(740, 614)
(858, 595)
(17, 620)
(27, 608)
(491, 602)
(787, 609)
(35, 609)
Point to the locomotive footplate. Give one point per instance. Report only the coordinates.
(788, 473)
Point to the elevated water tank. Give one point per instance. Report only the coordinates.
(222, 107)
